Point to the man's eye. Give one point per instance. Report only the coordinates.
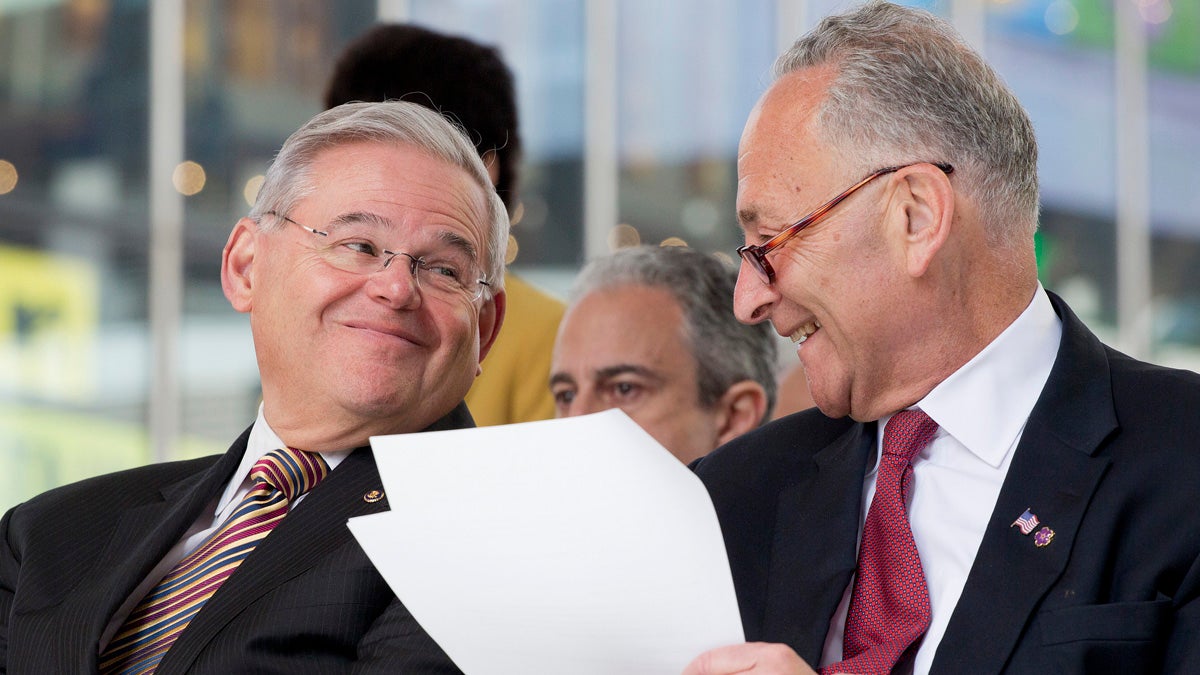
(625, 389)
(363, 247)
(563, 397)
(442, 269)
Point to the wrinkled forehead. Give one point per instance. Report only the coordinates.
(782, 149)
(388, 187)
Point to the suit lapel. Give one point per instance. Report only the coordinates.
(140, 538)
(1054, 473)
(814, 551)
(315, 528)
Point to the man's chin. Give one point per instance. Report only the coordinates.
(829, 403)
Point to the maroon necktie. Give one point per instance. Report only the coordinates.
(889, 610)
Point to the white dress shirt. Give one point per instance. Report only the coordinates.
(981, 410)
(262, 440)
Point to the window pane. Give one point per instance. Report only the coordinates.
(1174, 97)
(688, 75)
(1058, 59)
(542, 42)
(73, 230)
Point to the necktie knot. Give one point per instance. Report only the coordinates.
(907, 433)
(293, 472)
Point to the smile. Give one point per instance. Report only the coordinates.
(386, 331)
(803, 332)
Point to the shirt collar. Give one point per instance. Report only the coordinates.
(263, 439)
(985, 403)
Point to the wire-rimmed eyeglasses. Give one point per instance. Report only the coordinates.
(449, 272)
(756, 256)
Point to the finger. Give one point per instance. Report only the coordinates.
(759, 658)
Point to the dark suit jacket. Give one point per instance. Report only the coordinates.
(307, 600)
(1109, 460)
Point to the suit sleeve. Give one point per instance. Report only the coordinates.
(9, 567)
(396, 643)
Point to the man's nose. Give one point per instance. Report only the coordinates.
(753, 298)
(396, 284)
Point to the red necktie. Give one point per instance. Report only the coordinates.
(280, 477)
(889, 610)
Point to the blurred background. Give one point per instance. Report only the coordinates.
(134, 133)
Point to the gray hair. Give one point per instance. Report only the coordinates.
(726, 351)
(908, 88)
(289, 178)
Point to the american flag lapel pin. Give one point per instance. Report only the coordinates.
(1026, 522)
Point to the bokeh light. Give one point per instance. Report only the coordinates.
(510, 253)
(1061, 17)
(250, 192)
(700, 217)
(8, 176)
(1155, 11)
(188, 178)
(623, 236)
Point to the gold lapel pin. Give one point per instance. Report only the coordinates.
(373, 496)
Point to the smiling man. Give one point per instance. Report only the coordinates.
(650, 330)
(371, 267)
(990, 488)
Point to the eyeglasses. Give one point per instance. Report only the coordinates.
(449, 273)
(756, 256)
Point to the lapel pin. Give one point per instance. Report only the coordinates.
(373, 496)
(1026, 522)
(1043, 537)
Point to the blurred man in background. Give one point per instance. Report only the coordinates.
(650, 330)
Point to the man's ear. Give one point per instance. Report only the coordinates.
(926, 198)
(740, 409)
(491, 317)
(236, 263)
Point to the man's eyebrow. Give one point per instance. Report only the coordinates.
(455, 240)
(362, 218)
(561, 378)
(626, 369)
(747, 217)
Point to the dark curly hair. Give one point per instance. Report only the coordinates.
(464, 80)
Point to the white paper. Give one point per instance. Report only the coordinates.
(572, 546)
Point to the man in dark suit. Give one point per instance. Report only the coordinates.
(990, 488)
(372, 269)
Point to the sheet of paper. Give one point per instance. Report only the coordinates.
(574, 546)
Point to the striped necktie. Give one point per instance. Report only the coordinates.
(278, 478)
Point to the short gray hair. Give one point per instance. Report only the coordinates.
(289, 178)
(726, 351)
(908, 88)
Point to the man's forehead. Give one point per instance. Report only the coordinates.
(780, 151)
(381, 198)
(622, 306)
